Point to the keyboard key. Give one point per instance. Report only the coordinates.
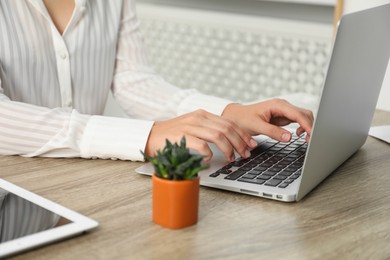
(272, 161)
(295, 137)
(249, 176)
(251, 164)
(268, 173)
(272, 169)
(283, 163)
(254, 181)
(228, 166)
(235, 175)
(240, 162)
(213, 175)
(264, 177)
(273, 182)
(224, 171)
(283, 185)
(258, 160)
(288, 169)
(255, 172)
(263, 157)
(285, 173)
(280, 177)
(279, 156)
(267, 164)
(294, 167)
(295, 176)
(289, 159)
(262, 148)
(272, 141)
(261, 168)
(297, 164)
(246, 168)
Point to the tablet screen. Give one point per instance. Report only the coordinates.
(20, 217)
(28, 220)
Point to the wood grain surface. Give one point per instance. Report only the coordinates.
(346, 217)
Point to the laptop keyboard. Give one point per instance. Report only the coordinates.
(271, 163)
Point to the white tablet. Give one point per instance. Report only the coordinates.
(28, 220)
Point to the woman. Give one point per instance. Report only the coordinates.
(58, 60)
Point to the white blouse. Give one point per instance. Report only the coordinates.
(53, 87)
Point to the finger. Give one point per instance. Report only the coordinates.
(310, 114)
(280, 121)
(200, 146)
(225, 134)
(198, 125)
(300, 131)
(211, 135)
(233, 137)
(303, 117)
(275, 132)
(308, 138)
(233, 132)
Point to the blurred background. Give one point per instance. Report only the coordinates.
(245, 50)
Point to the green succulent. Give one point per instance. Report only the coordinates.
(175, 162)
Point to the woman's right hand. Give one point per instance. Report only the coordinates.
(199, 128)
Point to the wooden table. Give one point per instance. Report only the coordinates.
(346, 217)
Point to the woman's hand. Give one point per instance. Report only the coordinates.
(199, 128)
(267, 117)
(233, 130)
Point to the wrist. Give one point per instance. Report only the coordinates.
(230, 110)
(149, 143)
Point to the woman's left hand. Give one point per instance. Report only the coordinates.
(267, 118)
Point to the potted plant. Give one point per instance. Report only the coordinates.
(175, 185)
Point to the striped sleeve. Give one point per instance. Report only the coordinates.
(30, 130)
(137, 88)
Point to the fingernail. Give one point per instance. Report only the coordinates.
(253, 143)
(247, 154)
(286, 137)
(232, 158)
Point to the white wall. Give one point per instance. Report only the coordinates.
(113, 109)
(356, 5)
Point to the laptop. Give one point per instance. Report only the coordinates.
(28, 220)
(289, 171)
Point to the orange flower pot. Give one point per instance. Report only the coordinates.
(175, 203)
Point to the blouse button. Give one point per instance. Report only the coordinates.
(63, 55)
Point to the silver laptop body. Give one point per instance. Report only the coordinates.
(355, 74)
